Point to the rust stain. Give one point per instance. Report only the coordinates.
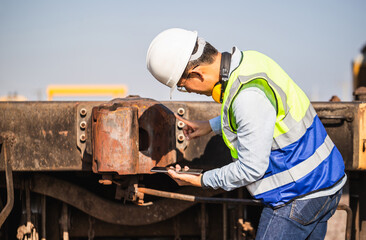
(63, 133)
(137, 131)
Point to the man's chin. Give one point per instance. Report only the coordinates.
(208, 94)
(205, 93)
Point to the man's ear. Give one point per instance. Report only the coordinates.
(198, 72)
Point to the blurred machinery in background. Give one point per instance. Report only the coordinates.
(12, 97)
(359, 75)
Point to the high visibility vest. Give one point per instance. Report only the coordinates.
(303, 158)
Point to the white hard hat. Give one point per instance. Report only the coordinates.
(169, 53)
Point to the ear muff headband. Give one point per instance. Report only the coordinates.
(219, 88)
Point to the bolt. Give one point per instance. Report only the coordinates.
(180, 138)
(83, 112)
(181, 124)
(83, 125)
(105, 181)
(82, 138)
(181, 111)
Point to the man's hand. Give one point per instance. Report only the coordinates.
(184, 179)
(194, 129)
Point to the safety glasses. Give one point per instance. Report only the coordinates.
(181, 85)
(181, 89)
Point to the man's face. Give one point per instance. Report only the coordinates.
(199, 80)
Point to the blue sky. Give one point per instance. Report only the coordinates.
(105, 42)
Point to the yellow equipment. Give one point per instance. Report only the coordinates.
(114, 91)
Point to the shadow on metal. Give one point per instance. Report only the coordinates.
(107, 210)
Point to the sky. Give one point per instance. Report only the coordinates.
(44, 42)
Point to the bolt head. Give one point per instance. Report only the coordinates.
(83, 125)
(82, 138)
(181, 111)
(180, 124)
(83, 112)
(180, 138)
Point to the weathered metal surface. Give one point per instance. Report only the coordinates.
(48, 134)
(115, 141)
(48, 137)
(107, 210)
(132, 135)
(45, 134)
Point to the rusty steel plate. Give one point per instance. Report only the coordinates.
(132, 135)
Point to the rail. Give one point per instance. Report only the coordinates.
(192, 198)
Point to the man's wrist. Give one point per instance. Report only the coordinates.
(196, 180)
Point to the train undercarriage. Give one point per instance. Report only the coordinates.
(81, 170)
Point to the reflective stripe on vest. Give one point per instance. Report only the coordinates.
(298, 129)
(293, 174)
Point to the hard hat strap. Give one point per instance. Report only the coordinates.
(201, 46)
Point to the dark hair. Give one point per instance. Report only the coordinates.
(207, 57)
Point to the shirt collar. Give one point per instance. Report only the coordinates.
(235, 59)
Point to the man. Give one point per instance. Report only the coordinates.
(281, 151)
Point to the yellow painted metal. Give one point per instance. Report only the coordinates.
(115, 91)
(360, 148)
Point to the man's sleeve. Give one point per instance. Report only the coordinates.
(255, 118)
(216, 124)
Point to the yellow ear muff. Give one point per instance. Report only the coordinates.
(216, 92)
